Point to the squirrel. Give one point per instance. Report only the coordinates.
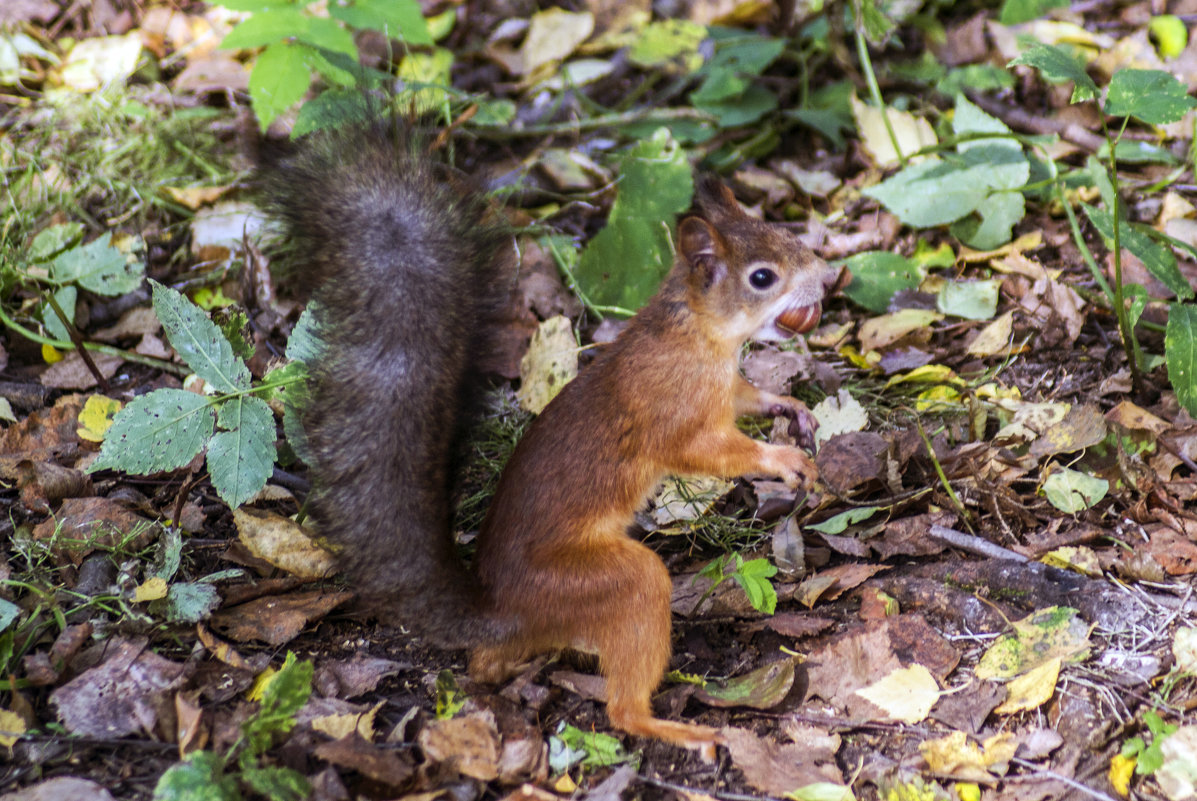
(406, 268)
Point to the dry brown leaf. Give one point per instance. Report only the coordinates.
(469, 743)
(278, 619)
(283, 543)
(778, 769)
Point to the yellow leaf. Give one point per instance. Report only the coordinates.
(927, 374)
(553, 35)
(550, 363)
(994, 339)
(937, 398)
(912, 133)
(1077, 559)
(1030, 241)
(968, 791)
(195, 196)
(565, 785)
(1121, 770)
(260, 681)
(51, 354)
(864, 362)
(1032, 689)
(906, 694)
(282, 542)
(878, 332)
(151, 590)
(12, 726)
(337, 726)
(95, 417)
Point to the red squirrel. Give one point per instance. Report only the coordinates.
(407, 269)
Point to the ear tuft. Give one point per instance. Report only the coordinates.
(713, 198)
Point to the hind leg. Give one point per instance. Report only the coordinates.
(634, 648)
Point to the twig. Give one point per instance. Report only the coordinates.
(1073, 783)
(77, 341)
(589, 124)
(976, 545)
(690, 792)
(1021, 118)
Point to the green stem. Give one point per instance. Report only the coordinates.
(1130, 343)
(866, 64)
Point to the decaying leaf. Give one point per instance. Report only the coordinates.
(906, 694)
(283, 543)
(550, 363)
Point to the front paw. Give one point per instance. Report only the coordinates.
(802, 423)
(792, 466)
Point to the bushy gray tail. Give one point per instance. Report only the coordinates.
(404, 270)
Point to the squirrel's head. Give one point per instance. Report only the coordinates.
(756, 277)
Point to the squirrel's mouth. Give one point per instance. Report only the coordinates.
(799, 319)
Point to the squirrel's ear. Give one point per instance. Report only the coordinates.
(702, 248)
(714, 198)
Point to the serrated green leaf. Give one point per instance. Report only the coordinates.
(266, 27)
(163, 430)
(305, 344)
(876, 25)
(929, 193)
(970, 119)
(838, 524)
(277, 783)
(55, 239)
(760, 592)
(600, 749)
(1180, 352)
(240, 458)
(399, 19)
(730, 71)
(99, 267)
(66, 298)
(981, 77)
(1157, 258)
(1071, 491)
(200, 777)
(191, 601)
(623, 265)
(756, 102)
(1058, 66)
(332, 108)
(1153, 96)
(877, 275)
(283, 696)
(198, 341)
(668, 41)
(280, 78)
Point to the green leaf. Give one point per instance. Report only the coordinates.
(191, 601)
(8, 613)
(668, 41)
(1157, 258)
(753, 578)
(280, 78)
(99, 267)
(67, 298)
(756, 102)
(981, 77)
(1153, 96)
(55, 239)
(972, 300)
(200, 777)
(198, 341)
(1136, 151)
(601, 749)
(1071, 491)
(876, 25)
(332, 108)
(449, 697)
(240, 458)
(998, 214)
(400, 19)
(822, 791)
(267, 27)
(623, 265)
(1058, 66)
(838, 524)
(163, 430)
(731, 69)
(1180, 352)
(284, 695)
(254, 6)
(327, 34)
(1170, 33)
(1015, 12)
(277, 783)
(877, 275)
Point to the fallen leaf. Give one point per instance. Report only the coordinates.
(905, 694)
(912, 133)
(62, 788)
(468, 743)
(122, 695)
(774, 768)
(276, 620)
(385, 765)
(763, 688)
(1032, 689)
(283, 543)
(550, 363)
(1056, 631)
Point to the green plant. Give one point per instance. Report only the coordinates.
(588, 749)
(167, 428)
(208, 775)
(1148, 756)
(752, 576)
(297, 45)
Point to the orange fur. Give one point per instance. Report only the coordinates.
(556, 565)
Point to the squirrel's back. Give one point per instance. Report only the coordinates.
(404, 267)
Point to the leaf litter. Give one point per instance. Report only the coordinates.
(983, 396)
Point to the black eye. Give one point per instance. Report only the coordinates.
(762, 278)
